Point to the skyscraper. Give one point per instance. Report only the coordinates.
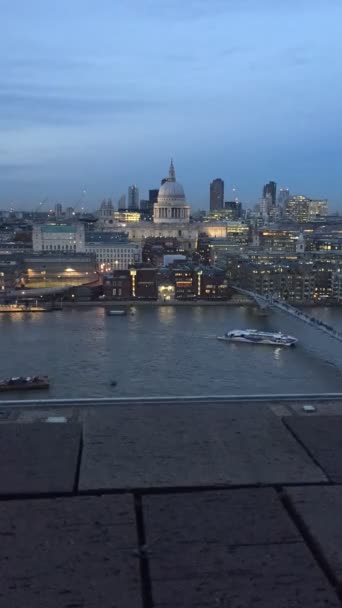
(216, 194)
(270, 190)
(122, 202)
(58, 211)
(133, 197)
(153, 196)
(283, 197)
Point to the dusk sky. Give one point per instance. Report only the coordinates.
(97, 96)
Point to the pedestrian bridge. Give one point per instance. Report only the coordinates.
(270, 302)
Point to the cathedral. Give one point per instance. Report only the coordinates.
(171, 206)
(171, 216)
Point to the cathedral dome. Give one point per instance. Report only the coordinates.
(171, 206)
(171, 190)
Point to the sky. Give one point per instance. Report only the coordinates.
(95, 96)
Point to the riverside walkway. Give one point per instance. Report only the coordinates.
(271, 302)
(175, 503)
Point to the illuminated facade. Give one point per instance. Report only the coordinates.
(114, 255)
(126, 216)
(302, 209)
(278, 239)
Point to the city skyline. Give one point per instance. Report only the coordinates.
(83, 110)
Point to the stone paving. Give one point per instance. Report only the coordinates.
(182, 446)
(182, 506)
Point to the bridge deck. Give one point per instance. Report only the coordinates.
(178, 504)
(276, 304)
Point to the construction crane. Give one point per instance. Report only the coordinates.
(81, 201)
(41, 204)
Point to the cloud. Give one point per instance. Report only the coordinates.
(25, 108)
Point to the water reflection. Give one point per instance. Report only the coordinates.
(166, 314)
(277, 354)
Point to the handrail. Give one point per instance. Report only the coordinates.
(191, 399)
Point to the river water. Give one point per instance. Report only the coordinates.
(166, 351)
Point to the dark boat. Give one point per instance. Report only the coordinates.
(22, 383)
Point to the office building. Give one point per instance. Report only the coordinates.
(146, 206)
(69, 213)
(303, 209)
(278, 239)
(270, 190)
(122, 202)
(58, 211)
(318, 208)
(283, 197)
(112, 251)
(233, 210)
(216, 194)
(133, 197)
(59, 238)
(125, 216)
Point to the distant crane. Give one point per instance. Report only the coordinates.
(41, 205)
(81, 201)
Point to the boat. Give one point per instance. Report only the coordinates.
(22, 383)
(14, 308)
(254, 336)
(116, 312)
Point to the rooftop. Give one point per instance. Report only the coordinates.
(197, 502)
(58, 228)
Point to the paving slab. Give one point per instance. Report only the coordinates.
(69, 553)
(322, 437)
(243, 516)
(182, 445)
(233, 549)
(319, 509)
(38, 458)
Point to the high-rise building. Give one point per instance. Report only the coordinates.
(69, 213)
(58, 211)
(270, 190)
(283, 197)
(146, 206)
(216, 194)
(153, 196)
(233, 209)
(133, 197)
(122, 202)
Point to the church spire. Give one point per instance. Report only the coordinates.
(172, 173)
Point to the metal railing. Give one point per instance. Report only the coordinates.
(192, 399)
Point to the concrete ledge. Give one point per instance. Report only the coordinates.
(179, 445)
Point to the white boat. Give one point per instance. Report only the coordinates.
(116, 312)
(254, 336)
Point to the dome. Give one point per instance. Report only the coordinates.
(172, 190)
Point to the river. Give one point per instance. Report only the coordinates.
(166, 351)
